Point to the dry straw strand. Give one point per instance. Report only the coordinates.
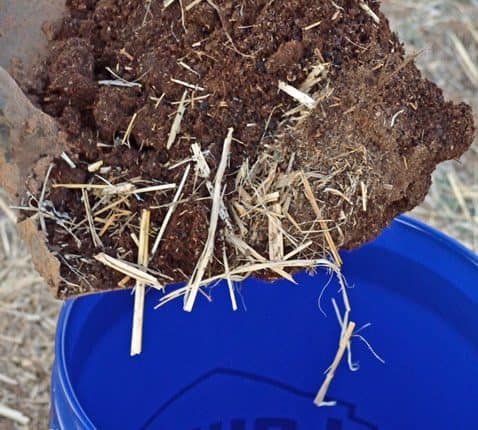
(209, 247)
(139, 292)
(344, 341)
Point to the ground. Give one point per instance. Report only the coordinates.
(444, 31)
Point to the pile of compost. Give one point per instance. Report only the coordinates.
(258, 137)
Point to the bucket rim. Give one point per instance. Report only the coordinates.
(433, 234)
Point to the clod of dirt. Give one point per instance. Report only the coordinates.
(29, 141)
(325, 162)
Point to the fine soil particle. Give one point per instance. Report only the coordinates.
(115, 75)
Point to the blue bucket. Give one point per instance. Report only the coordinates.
(260, 369)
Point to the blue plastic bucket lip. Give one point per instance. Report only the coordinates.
(63, 377)
(442, 239)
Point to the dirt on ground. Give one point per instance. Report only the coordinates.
(118, 72)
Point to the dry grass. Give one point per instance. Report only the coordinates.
(27, 324)
(28, 313)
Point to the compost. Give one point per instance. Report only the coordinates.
(328, 129)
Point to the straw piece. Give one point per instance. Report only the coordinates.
(298, 95)
(111, 206)
(203, 168)
(240, 273)
(170, 211)
(42, 197)
(177, 121)
(316, 75)
(7, 380)
(143, 250)
(364, 195)
(248, 251)
(94, 167)
(167, 3)
(128, 269)
(153, 188)
(94, 235)
(109, 190)
(123, 282)
(119, 81)
(230, 285)
(468, 66)
(192, 4)
(366, 8)
(310, 196)
(7, 211)
(311, 26)
(345, 339)
(456, 187)
(205, 172)
(209, 246)
(352, 366)
(129, 129)
(188, 85)
(68, 160)
(276, 239)
(13, 415)
(298, 250)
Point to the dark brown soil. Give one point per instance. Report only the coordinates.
(236, 51)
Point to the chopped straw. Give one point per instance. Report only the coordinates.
(344, 341)
(68, 160)
(7, 211)
(366, 8)
(192, 4)
(94, 167)
(467, 63)
(207, 253)
(242, 272)
(310, 196)
(188, 85)
(230, 285)
(122, 188)
(276, 240)
(364, 196)
(94, 235)
(129, 129)
(171, 209)
(118, 82)
(248, 251)
(13, 415)
(128, 269)
(204, 171)
(298, 95)
(311, 26)
(176, 126)
(42, 197)
(167, 3)
(139, 291)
